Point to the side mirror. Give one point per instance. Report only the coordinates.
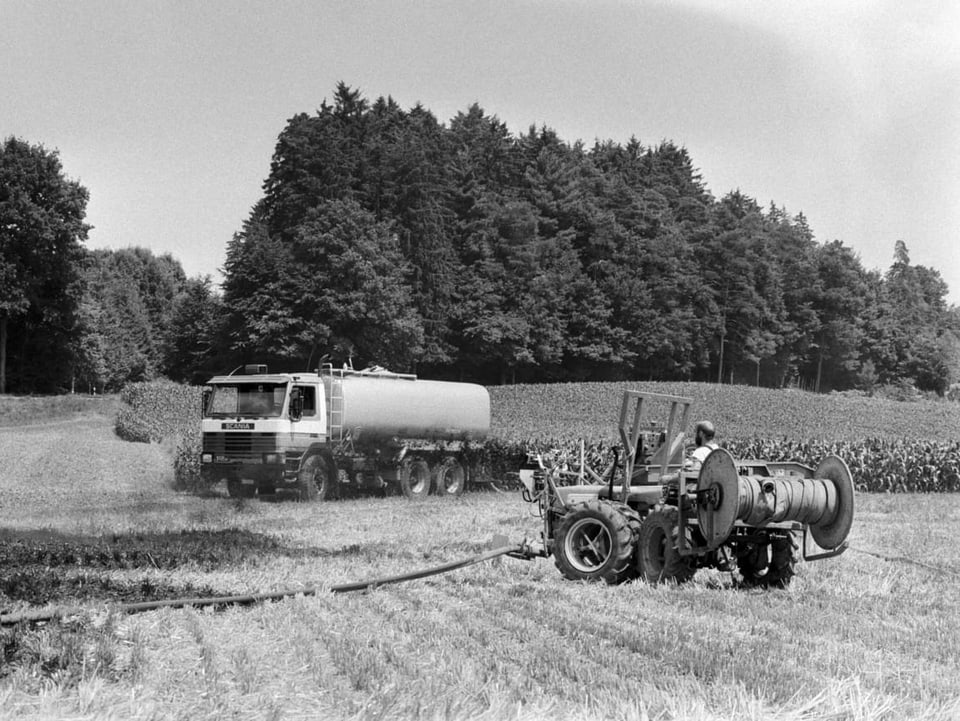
(205, 403)
(296, 405)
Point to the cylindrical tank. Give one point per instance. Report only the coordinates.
(378, 407)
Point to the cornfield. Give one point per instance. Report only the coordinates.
(890, 446)
(571, 411)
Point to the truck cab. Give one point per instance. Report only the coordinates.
(256, 427)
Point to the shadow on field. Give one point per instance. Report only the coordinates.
(343, 492)
(40, 567)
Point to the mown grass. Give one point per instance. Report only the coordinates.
(29, 410)
(856, 637)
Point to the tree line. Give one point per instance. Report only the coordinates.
(464, 251)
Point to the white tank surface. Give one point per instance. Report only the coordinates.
(386, 406)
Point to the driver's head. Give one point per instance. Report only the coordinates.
(705, 432)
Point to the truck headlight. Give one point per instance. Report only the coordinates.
(206, 458)
(272, 458)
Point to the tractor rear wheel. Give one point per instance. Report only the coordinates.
(594, 542)
(451, 478)
(659, 556)
(415, 478)
(768, 565)
(317, 478)
(635, 523)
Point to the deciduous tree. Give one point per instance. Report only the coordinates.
(41, 228)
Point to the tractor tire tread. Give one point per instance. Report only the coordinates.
(773, 568)
(618, 565)
(657, 548)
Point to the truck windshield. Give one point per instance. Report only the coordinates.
(257, 400)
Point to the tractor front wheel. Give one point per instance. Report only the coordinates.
(659, 556)
(593, 542)
(768, 565)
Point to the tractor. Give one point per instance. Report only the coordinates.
(653, 516)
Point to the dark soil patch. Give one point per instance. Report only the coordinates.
(43, 567)
(204, 550)
(40, 586)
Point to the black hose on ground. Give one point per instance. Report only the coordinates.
(911, 561)
(517, 551)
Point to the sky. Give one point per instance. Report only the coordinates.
(168, 112)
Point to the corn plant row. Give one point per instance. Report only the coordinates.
(885, 462)
(876, 464)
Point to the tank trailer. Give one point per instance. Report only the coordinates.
(661, 520)
(318, 432)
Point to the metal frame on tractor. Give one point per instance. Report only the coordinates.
(708, 506)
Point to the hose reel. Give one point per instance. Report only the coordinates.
(824, 502)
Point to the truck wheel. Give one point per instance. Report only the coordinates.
(317, 479)
(593, 542)
(768, 565)
(659, 557)
(451, 478)
(415, 478)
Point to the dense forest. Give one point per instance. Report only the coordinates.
(461, 250)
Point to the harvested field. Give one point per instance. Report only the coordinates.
(88, 519)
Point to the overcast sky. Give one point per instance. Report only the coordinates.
(168, 112)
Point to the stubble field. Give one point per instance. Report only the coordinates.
(88, 519)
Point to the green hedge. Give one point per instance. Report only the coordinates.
(163, 411)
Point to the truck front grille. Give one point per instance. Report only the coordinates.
(239, 446)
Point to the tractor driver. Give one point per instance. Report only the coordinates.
(705, 446)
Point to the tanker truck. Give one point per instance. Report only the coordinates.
(320, 433)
